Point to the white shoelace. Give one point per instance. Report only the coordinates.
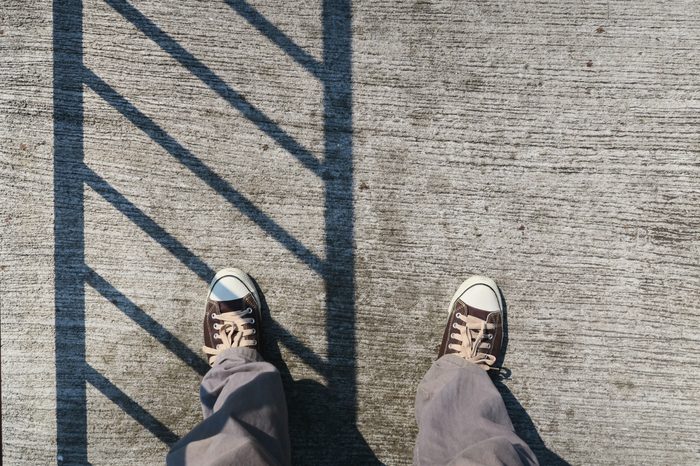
(473, 337)
(231, 332)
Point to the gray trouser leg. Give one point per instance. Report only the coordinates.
(245, 415)
(462, 419)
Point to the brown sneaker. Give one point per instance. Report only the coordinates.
(474, 328)
(232, 318)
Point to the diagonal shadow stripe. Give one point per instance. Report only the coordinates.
(277, 37)
(146, 322)
(218, 85)
(129, 406)
(206, 174)
(302, 351)
(148, 225)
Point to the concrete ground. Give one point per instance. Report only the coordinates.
(359, 159)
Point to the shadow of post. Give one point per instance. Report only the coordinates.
(69, 250)
(340, 407)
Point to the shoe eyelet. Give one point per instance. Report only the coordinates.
(458, 315)
(213, 315)
(250, 310)
(219, 346)
(254, 332)
(216, 326)
(216, 335)
(454, 325)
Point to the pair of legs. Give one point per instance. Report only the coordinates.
(461, 416)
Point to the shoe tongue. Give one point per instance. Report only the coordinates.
(233, 305)
(472, 311)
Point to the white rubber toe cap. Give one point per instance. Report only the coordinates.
(481, 297)
(228, 288)
(479, 292)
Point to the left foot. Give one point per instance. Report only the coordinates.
(232, 318)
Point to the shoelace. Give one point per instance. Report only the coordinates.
(231, 332)
(472, 335)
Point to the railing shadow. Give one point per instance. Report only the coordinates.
(321, 417)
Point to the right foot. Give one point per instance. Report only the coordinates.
(232, 318)
(475, 323)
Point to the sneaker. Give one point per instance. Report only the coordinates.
(474, 328)
(232, 318)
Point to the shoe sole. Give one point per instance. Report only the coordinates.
(239, 274)
(475, 280)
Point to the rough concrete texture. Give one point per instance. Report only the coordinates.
(359, 160)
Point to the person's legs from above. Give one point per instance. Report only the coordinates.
(461, 417)
(245, 411)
